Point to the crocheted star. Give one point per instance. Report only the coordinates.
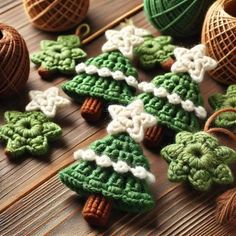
(131, 119)
(220, 101)
(124, 40)
(194, 61)
(28, 132)
(199, 159)
(47, 101)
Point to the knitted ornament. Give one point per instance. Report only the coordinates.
(219, 101)
(54, 16)
(177, 18)
(113, 171)
(14, 61)
(58, 56)
(155, 52)
(218, 34)
(28, 132)
(105, 79)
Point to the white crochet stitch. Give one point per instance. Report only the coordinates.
(106, 72)
(131, 119)
(120, 167)
(194, 61)
(124, 40)
(47, 101)
(173, 98)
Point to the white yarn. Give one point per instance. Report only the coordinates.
(120, 167)
(173, 98)
(105, 72)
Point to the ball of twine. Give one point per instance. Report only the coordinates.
(14, 61)
(56, 15)
(219, 36)
(177, 18)
(226, 207)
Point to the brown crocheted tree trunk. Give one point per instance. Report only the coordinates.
(166, 65)
(91, 109)
(97, 210)
(45, 73)
(153, 136)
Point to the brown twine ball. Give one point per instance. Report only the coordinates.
(56, 15)
(219, 36)
(226, 207)
(14, 61)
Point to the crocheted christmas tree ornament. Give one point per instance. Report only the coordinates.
(220, 101)
(58, 56)
(28, 132)
(199, 159)
(154, 52)
(106, 79)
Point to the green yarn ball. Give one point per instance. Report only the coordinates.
(177, 18)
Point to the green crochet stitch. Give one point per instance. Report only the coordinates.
(28, 132)
(128, 192)
(199, 159)
(61, 55)
(171, 115)
(154, 51)
(108, 89)
(219, 101)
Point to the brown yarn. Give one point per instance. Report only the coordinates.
(219, 36)
(153, 137)
(56, 15)
(14, 61)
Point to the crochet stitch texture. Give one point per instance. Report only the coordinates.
(199, 159)
(128, 192)
(153, 51)
(219, 101)
(61, 55)
(104, 87)
(28, 132)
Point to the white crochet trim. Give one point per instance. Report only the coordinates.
(173, 98)
(194, 61)
(124, 40)
(120, 167)
(131, 119)
(47, 101)
(105, 72)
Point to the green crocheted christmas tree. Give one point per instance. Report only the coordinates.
(106, 79)
(154, 52)
(219, 101)
(58, 56)
(199, 159)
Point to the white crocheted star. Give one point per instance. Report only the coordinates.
(124, 40)
(131, 119)
(194, 61)
(47, 101)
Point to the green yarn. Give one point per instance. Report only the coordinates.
(178, 18)
(170, 115)
(219, 101)
(106, 88)
(199, 159)
(128, 192)
(153, 51)
(61, 55)
(28, 132)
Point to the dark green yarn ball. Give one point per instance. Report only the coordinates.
(177, 18)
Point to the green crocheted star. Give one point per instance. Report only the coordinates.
(219, 101)
(28, 132)
(199, 159)
(61, 55)
(154, 51)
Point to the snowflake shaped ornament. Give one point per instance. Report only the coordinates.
(194, 61)
(47, 101)
(131, 119)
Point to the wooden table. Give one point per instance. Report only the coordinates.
(32, 199)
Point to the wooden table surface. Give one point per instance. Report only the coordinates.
(32, 199)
